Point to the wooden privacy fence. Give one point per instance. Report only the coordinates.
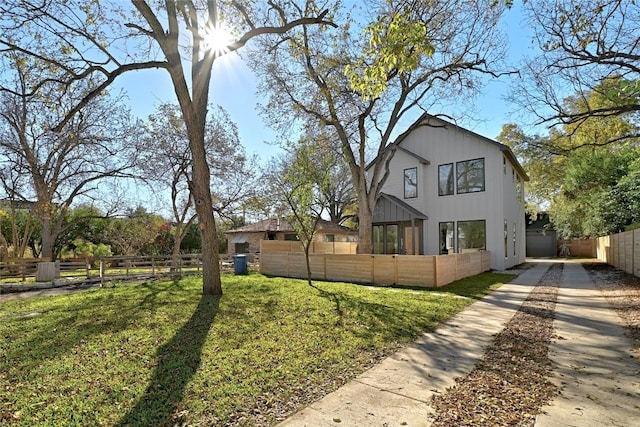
(621, 250)
(315, 248)
(580, 248)
(407, 270)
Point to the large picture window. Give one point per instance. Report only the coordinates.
(410, 183)
(386, 239)
(471, 236)
(470, 176)
(445, 179)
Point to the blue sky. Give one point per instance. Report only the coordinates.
(234, 88)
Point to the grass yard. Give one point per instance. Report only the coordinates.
(161, 354)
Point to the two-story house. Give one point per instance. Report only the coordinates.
(450, 190)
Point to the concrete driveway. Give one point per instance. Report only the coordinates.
(594, 365)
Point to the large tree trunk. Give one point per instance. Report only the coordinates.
(365, 223)
(201, 194)
(175, 256)
(46, 250)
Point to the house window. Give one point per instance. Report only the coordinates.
(470, 176)
(471, 236)
(291, 237)
(514, 238)
(445, 179)
(446, 238)
(392, 238)
(410, 183)
(386, 239)
(519, 189)
(513, 175)
(330, 238)
(504, 165)
(506, 239)
(378, 239)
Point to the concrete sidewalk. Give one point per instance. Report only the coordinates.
(600, 379)
(397, 391)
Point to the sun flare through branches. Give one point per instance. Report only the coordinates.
(218, 39)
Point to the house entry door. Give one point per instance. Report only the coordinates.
(411, 241)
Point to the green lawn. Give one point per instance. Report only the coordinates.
(162, 354)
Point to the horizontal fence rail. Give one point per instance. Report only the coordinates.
(20, 268)
(105, 268)
(316, 247)
(406, 270)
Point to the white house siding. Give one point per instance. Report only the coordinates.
(514, 214)
(450, 144)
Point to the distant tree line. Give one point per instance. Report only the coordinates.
(92, 234)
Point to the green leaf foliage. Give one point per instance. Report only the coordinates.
(584, 173)
(397, 42)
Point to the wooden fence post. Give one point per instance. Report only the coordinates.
(101, 273)
(395, 267)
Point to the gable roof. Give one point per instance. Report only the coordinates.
(427, 119)
(282, 225)
(421, 159)
(391, 208)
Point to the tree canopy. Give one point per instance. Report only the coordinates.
(388, 63)
(588, 50)
(584, 173)
(90, 44)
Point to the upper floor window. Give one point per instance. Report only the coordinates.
(410, 183)
(445, 179)
(470, 176)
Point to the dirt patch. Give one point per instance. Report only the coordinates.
(622, 292)
(510, 384)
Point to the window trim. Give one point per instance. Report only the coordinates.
(484, 176)
(407, 195)
(453, 232)
(451, 174)
(484, 246)
(506, 238)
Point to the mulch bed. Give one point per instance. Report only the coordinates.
(510, 384)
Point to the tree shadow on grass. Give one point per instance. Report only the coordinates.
(178, 361)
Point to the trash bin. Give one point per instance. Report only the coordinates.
(240, 264)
